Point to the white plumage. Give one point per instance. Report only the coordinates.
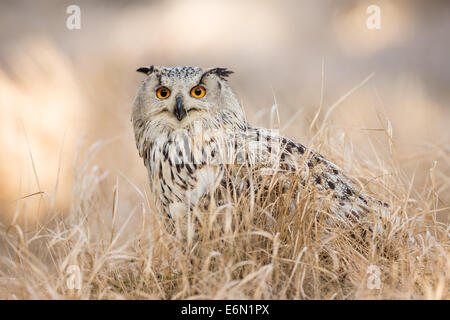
(197, 146)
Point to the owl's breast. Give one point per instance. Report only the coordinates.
(182, 170)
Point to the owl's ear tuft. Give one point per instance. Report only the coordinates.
(147, 70)
(222, 73)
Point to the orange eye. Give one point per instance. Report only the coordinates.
(198, 92)
(163, 93)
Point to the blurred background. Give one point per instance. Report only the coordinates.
(62, 90)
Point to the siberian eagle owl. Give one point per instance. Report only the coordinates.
(197, 146)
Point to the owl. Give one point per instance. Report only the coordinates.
(199, 149)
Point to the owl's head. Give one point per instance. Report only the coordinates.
(174, 98)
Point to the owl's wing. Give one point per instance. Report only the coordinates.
(264, 152)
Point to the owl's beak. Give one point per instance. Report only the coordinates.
(179, 110)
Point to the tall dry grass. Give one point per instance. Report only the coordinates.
(252, 249)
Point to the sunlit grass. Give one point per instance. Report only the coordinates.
(253, 249)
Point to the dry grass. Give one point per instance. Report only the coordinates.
(254, 249)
